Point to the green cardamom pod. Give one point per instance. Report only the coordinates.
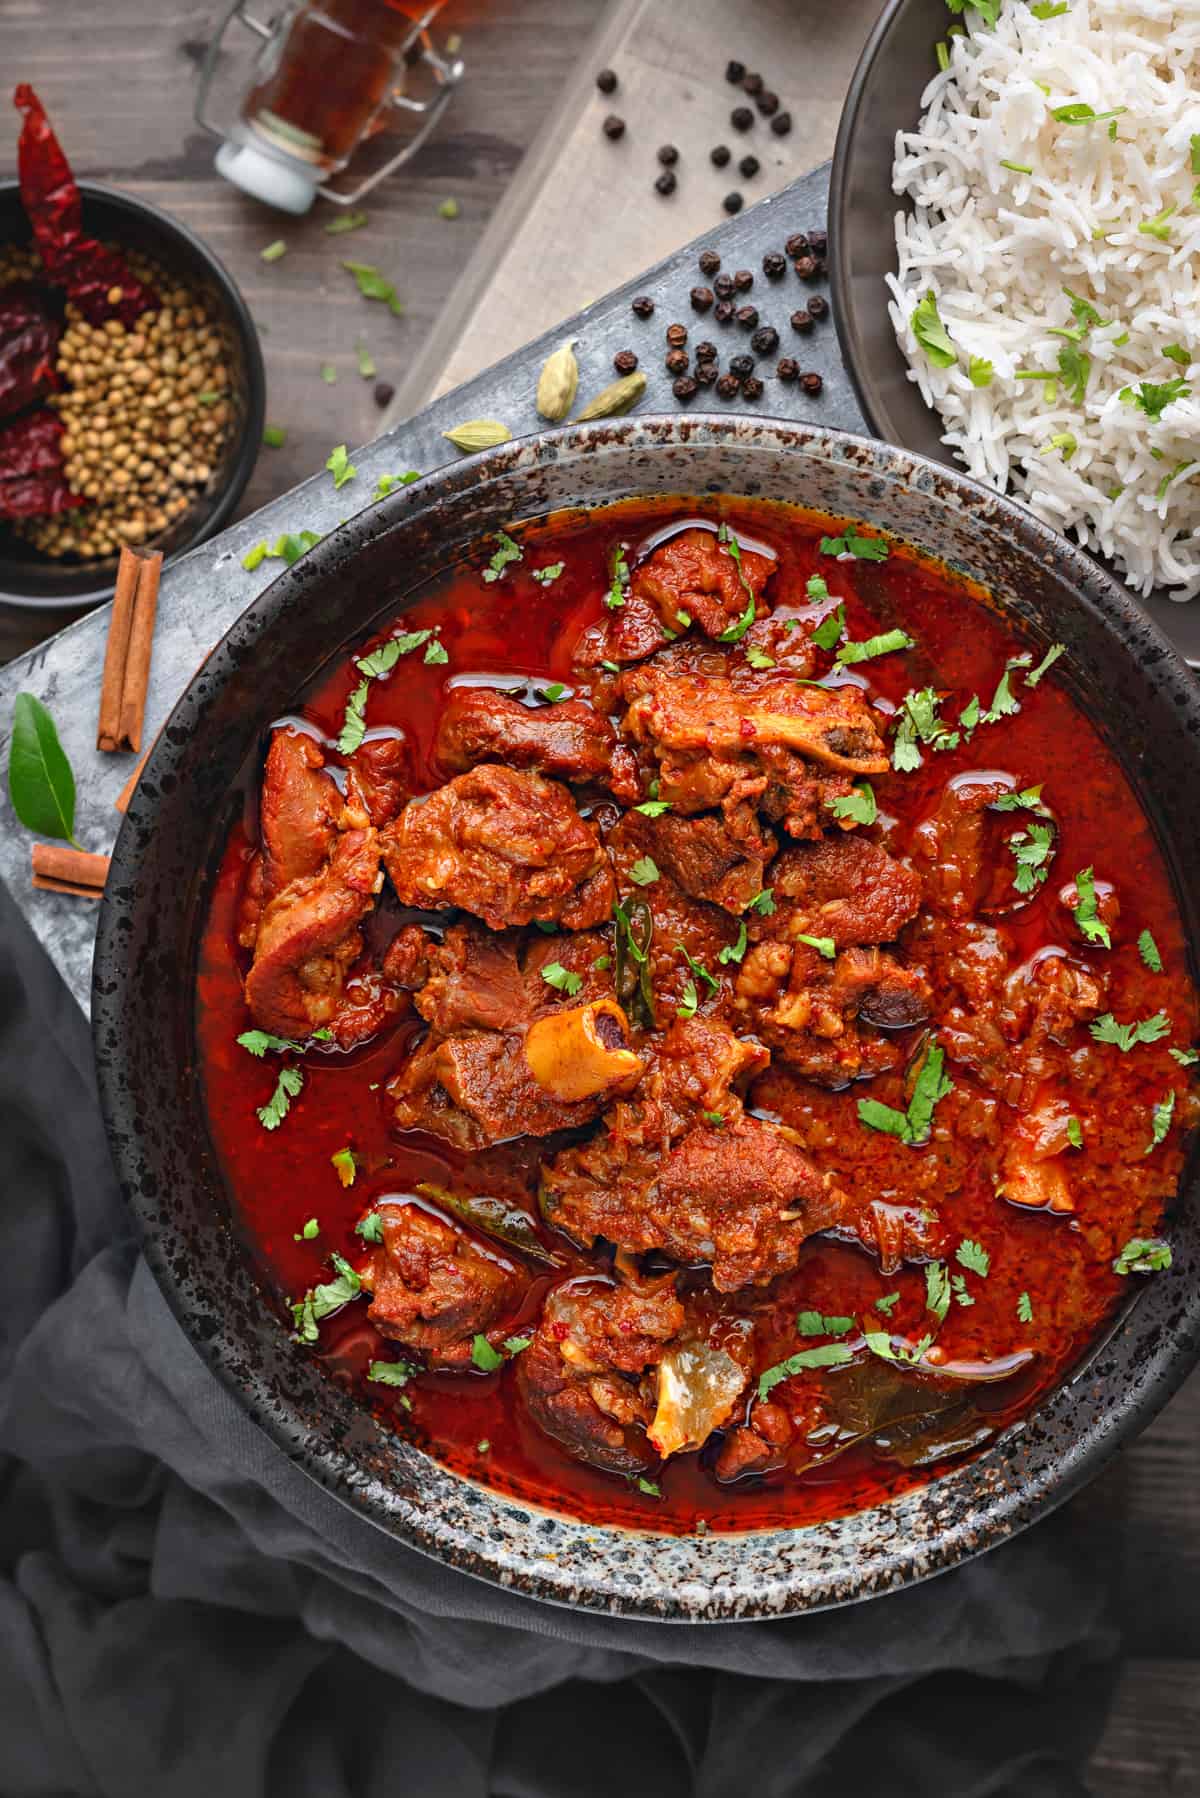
(478, 434)
(616, 398)
(558, 383)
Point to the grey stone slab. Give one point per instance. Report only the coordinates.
(204, 592)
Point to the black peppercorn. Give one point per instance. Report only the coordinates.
(676, 362)
(820, 262)
(787, 368)
(723, 311)
(753, 84)
(774, 264)
(710, 262)
(705, 373)
(732, 202)
(781, 124)
(818, 305)
(614, 127)
(383, 393)
(723, 286)
(719, 155)
(741, 118)
(741, 366)
(734, 71)
(811, 383)
(625, 362)
(767, 104)
(676, 335)
(752, 388)
(702, 298)
(606, 81)
(685, 387)
(747, 317)
(743, 279)
(764, 340)
(643, 306)
(706, 352)
(749, 167)
(818, 242)
(666, 183)
(727, 387)
(797, 244)
(802, 320)
(805, 267)
(668, 155)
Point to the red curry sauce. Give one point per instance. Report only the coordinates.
(474, 1422)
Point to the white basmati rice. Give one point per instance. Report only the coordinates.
(998, 248)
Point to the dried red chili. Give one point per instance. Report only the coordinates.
(28, 338)
(32, 483)
(88, 270)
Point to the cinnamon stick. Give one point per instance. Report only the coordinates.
(59, 869)
(121, 802)
(126, 675)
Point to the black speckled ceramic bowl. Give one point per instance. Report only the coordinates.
(893, 71)
(1124, 674)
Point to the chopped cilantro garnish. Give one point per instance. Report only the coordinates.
(1075, 1133)
(374, 286)
(1018, 168)
(346, 221)
(1160, 225)
(859, 807)
(1161, 1117)
(1066, 443)
(551, 572)
(869, 647)
(887, 1304)
(345, 1166)
(937, 1289)
(828, 633)
(435, 651)
(648, 1487)
(909, 1354)
(1078, 112)
(1086, 913)
(340, 466)
(1024, 1309)
(716, 1118)
(698, 969)
(274, 436)
(611, 667)
(980, 371)
(1143, 1255)
(1074, 367)
(1154, 397)
(1148, 950)
(322, 1301)
(968, 718)
(865, 549)
(653, 808)
(1028, 799)
(958, 1284)
(824, 945)
(972, 1255)
(764, 902)
(1175, 352)
(514, 1345)
(813, 1323)
(1033, 850)
(287, 1088)
(1048, 660)
(690, 1001)
(370, 1228)
(386, 482)
(1127, 1036)
(257, 1042)
(758, 658)
(391, 1373)
(563, 981)
(618, 591)
(733, 952)
(307, 1232)
(507, 552)
(914, 1125)
(1187, 1058)
(736, 631)
(931, 333)
(816, 588)
(644, 871)
(918, 722)
(828, 1354)
(485, 1357)
(253, 557)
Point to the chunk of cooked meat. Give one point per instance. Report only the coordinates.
(694, 573)
(1033, 1171)
(697, 1065)
(756, 1446)
(506, 845)
(629, 634)
(569, 740)
(472, 1081)
(741, 1198)
(844, 887)
(703, 860)
(1049, 995)
(583, 1376)
(777, 747)
(962, 847)
(300, 814)
(895, 1232)
(378, 781)
(406, 958)
(680, 923)
(307, 943)
(434, 1287)
(806, 1008)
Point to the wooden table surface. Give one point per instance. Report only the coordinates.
(117, 79)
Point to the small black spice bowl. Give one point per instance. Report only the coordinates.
(33, 581)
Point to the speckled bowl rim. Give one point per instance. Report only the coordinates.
(1126, 1377)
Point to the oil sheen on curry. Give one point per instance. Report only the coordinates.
(694, 1020)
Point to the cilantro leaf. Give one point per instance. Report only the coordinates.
(1148, 950)
(340, 466)
(859, 807)
(690, 1001)
(653, 808)
(824, 945)
(867, 648)
(1143, 1255)
(259, 1041)
(1003, 703)
(1074, 367)
(980, 371)
(370, 1228)
(644, 871)
(1024, 1309)
(815, 586)
(287, 1087)
(1028, 799)
(648, 1487)
(1078, 112)
(555, 975)
(1187, 1058)
(506, 553)
(937, 1289)
(914, 1125)
(322, 1301)
(386, 482)
(391, 1373)
(374, 286)
(828, 1354)
(485, 1357)
(1033, 850)
(544, 576)
(972, 1255)
(435, 651)
(515, 1345)
(865, 549)
(1075, 1133)
(829, 631)
(812, 1323)
(764, 902)
(931, 333)
(345, 1166)
(888, 1304)
(918, 722)
(758, 658)
(307, 1232)
(908, 1354)
(733, 633)
(1160, 1118)
(884, 1118)
(733, 952)
(1154, 397)
(618, 591)
(698, 969)
(1086, 913)
(1125, 1037)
